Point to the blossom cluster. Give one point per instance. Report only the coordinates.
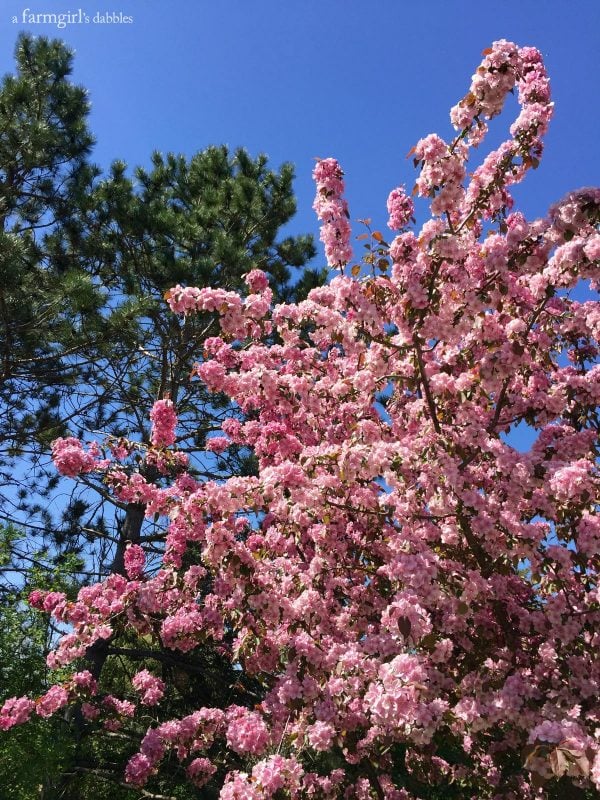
(150, 688)
(71, 459)
(332, 210)
(443, 166)
(135, 561)
(164, 421)
(17, 710)
(400, 208)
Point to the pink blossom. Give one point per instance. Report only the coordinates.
(123, 708)
(150, 687)
(71, 459)
(200, 771)
(320, 735)
(257, 280)
(164, 421)
(135, 561)
(332, 210)
(138, 770)
(276, 773)
(400, 208)
(15, 711)
(36, 599)
(85, 682)
(218, 444)
(247, 732)
(573, 480)
(56, 697)
(180, 631)
(53, 600)
(183, 299)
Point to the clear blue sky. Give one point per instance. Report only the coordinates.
(361, 80)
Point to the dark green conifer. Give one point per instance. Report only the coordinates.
(86, 345)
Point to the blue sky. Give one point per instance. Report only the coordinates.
(299, 79)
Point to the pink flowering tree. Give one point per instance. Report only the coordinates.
(414, 599)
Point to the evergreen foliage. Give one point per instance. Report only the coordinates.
(85, 347)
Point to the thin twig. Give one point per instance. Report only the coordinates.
(425, 383)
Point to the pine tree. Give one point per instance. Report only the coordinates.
(86, 346)
(44, 145)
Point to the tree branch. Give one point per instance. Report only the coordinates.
(425, 383)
